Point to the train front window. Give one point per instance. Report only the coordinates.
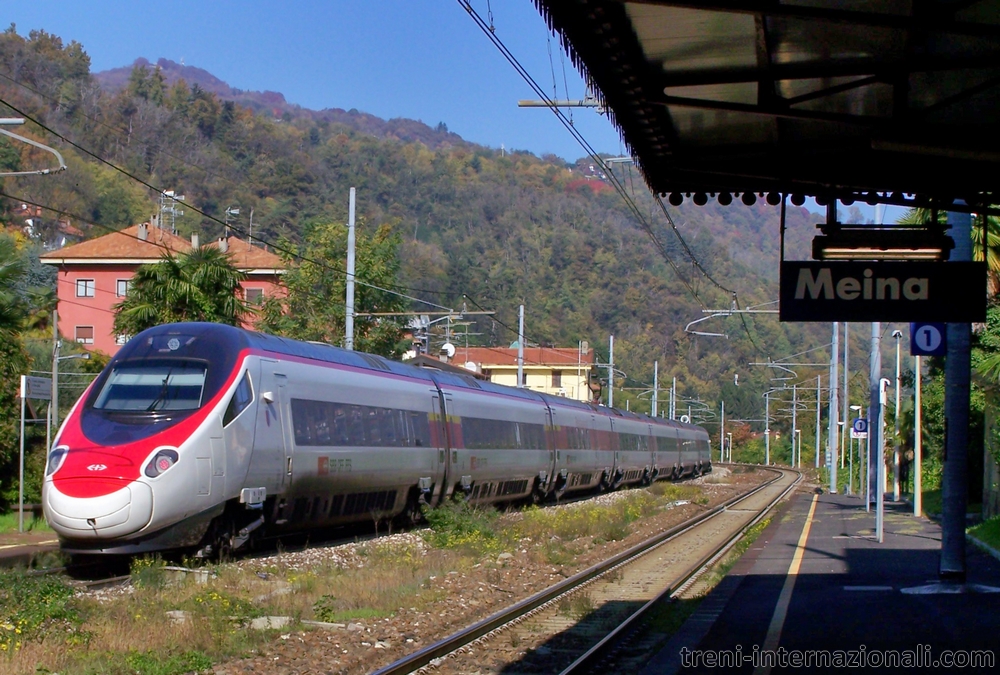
(153, 387)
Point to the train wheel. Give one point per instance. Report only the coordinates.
(605, 484)
(538, 493)
(413, 514)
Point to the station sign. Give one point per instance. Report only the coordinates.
(36, 387)
(859, 428)
(928, 339)
(882, 291)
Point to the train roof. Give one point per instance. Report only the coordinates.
(316, 351)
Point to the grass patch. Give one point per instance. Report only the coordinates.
(931, 502)
(988, 532)
(53, 630)
(8, 523)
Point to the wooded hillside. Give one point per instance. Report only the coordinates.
(499, 228)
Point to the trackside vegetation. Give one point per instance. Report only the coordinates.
(166, 622)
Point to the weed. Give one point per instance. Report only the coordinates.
(147, 572)
(154, 663)
(329, 609)
(458, 525)
(576, 606)
(34, 608)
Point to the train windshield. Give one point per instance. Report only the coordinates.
(151, 386)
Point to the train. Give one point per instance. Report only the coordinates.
(202, 437)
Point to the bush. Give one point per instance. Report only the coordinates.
(458, 525)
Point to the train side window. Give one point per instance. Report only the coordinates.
(421, 429)
(242, 398)
(356, 425)
(373, 427)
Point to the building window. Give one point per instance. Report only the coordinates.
(556, 379)
(524, 379)
(85, 335)
(84, 288)
(122, 287)
(255, 296)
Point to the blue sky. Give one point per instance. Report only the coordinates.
(421, 59)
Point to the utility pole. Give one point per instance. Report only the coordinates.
(834, 408)
(895, 444)
(795, 425)
(656, 386)
(54, 404)
(819, 397)
(520, 347)
(673, 399)
(843, 428)
(767, 428)
(874, 410)
(722, 434)
(349, 323)
(611, 372)
(918, 507)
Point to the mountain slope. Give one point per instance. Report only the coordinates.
(481, 228)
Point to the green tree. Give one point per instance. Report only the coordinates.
(14, 360)
(992, 225)
(314, 308)
(202, 285)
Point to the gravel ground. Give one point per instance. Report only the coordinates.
(364, 646)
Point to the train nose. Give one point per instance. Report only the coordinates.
(125, 507)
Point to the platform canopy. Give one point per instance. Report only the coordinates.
(893, 101)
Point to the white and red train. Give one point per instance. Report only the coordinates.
(197, 435)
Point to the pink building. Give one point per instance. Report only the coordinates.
(94, 275)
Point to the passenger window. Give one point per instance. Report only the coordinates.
(242, 398)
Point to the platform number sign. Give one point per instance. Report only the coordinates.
(859, 428)
(928, 339)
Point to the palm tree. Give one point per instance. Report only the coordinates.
(201, 285)
(922, 216)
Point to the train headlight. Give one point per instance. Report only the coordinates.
(55, 459)
(162, 460)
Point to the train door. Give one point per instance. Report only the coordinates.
(556, 438)
(441, 438)
(270, 463)
(285, 419)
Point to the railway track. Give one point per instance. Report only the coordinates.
(573, 626)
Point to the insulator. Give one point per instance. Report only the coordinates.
(725, 198)
(749, 198)
(676, 199)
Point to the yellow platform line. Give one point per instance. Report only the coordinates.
(781, 609)
(37, 543)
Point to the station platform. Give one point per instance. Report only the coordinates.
(19, 549)
(821, 594)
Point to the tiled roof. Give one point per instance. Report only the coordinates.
(248, 256)
(126, 245)
(488, 357)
